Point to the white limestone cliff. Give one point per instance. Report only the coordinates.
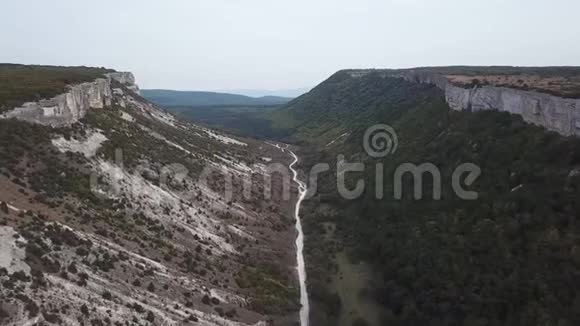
(125, 78)
(558, 114)
(67, 108)
(554, 113)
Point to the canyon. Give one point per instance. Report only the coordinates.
(139, 215)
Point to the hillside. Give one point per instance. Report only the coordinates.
(507, 258)
(168, 98)
(113, 211)
(325, 109)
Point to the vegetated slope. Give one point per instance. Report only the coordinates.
(341, 103)
(511, 257)
(239, 120)
(22, 83)
(168, 98)
(111, 220)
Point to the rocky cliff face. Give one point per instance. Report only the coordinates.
(68, 108)
(558, 114)
(561, 115)
(125, 78)
(554, 113)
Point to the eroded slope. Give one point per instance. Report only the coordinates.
(129, 217)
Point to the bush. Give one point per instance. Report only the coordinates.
(85, 310)
(107, 295)
(150, 317)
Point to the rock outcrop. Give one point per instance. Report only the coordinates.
(554, 113)
(70, 107)
(125, 78)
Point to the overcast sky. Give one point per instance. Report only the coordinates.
(275, 44)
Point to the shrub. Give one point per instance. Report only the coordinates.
(107, 295)
(150, 317)
(85, 310)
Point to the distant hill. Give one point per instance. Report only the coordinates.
(195, 98)
(292, 92)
